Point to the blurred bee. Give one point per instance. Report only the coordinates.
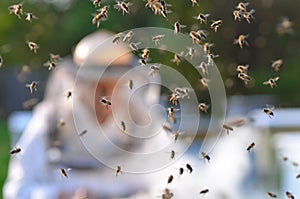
(50, 65)
(96, 3)
(203, 107)
(118, 170)
(249, 15)
(172, 155)
(269, 111)
(277, 64)
(145, 53)
(170, 179)
(102, 15)
(242, 68)
(16, 9)
(298, 176)
(123, 126)
(205, 156)
(174, 99)
(105, 102)
(190, 52)
(153, 69)
(271, 82)
(204, 191)
(203, 68)
(171, 116)
(250, 146)
(227, 128)
(122, 5)
(285, 158)
(241, 40)
(237, 122)
(64, 172)
(117, 38)
(244, 77)
(130, 84)
(177, 27)
(143, 62)
(182, 92)
(285, 26)
(237, 15)
(242, 6)
(176, 135)
(206, 47)
(33, 46)
(30, 16)
(82, 132)
(30, 103)
(1, 61)
(195, 2)
(61, 123)
(15, 151)
(202, 17)
(289, 195)
(177, 58)
(210, 58)
(272, 195)
(68, 94)
(295, 164)
(55, 57)
(32, 86)
(157, 39)
(204, 82)
(216, 24)
(134, 46)
(195, 37)
(189, 168)
(167, 194)
(181, 170)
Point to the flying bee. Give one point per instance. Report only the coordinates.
(102, 15)
(269, 111)
(227, 128)
(30, 16)
(210, 58)
(190, 52)
(32, 86)
(277, 64)
(206, 47)
(117, 38)
(50, 65)
(177, 58)
(189, 168)
(1, 61)
(134, 46)
(143, 62)
(195, 2)
(204, 191)
(15, 151)
(130, 84)
(241, 40)
(244, 77)
(205, 156)
(16, 9)
(249, 15)
(204, 82)
(122, 5)
(68, 94)
(285, 26)
(272, 195)
(105, 102)
(250, 146)
(118, 170)
(33, 46)
(170, 179)
(64, 172)
(202, 34)
(96, 3)
(145, 53)
(242, 68)
(203, 107)
(123, 126)
(242, 6)
(153, 69)
(203, 68)
(290, 195)
(216, 24)
(82, 132)
(157, 39)
(171, 116)
(272, 82)
(202, 17)
(181, 170)
(237, 14)
(55, 57)
(195, 37)
(172, 155)
(177, 27)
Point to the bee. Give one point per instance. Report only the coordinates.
(195, 37)
(241, 40)
(182, 92)
(176, 135)
(237, 15)
(172, 155)
(130, 84)
(249, 15)
(298, 176)
(30, 16)
(96, 3)
(189, 168)
(32, 86)
(102, 15)
(272, 82)
(64, 172)
(16, 9)
(203, 107)
(250, 146)
(157, 39)
(242, 6)
(204, 191)
(123, 126)
(55, 57)
(134, 46)
(227, 128)
(195, 2)
(61, 123)
(118, 170)
(145, 53)
(285, 26)
(242, 68)
(181, 170)
(203, 67)
(15, 151)
(170, 179)
(33, 46)
(244, 77)
(277, 64)
(82, 132)
(202, 34)
(202, 17)
(269, 111)
(206, 47)
(143, 62)
(117, 38)
(177, 58)
(50, 64)
(1, 61)
(190, 52)
(105, 102)
(177, 27)
(210, 58)
(295, 164)
(216, 24)
(122, 5)
(204, 82)
(285, 158)
(153, 69)
(289, 195)
(272, 195)
(167, 194)
(171, 116)
(68, 94)
(205, 156)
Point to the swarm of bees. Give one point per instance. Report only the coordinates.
(241, 12)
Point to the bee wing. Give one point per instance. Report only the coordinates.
(266, 82)
(276, 78)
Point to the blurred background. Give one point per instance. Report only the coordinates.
(60, 24)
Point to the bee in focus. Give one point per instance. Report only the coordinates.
(82, 133)
(117, 38)
(170, 179)
(250, 146)
(64, 172)
(216, 24)
(203, 107)
(202, 17)
(244, 77)
(204, 191)
(195, 2)
(196, 38)
(272, 195)
(145, 53)
(122, 5)
(241, 40)
(177, 58)
(277, 64)
(102, 15)
(290, 195)
(33, 46)
(242, 6)
(32, 86)
(237, 14)
(29, 16)
(105, 102)
(153, 70)
(177, 27)
(206, 47)
(205, 156)
(157, 39)
(269, 111)
(242, 68)
(203, 68)
(189, 168)
(227, 128)
(16, 9)
(171, 115)
(271, 82)
(15, 151)
(96, 3)
(134, 46)
(118, 170)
